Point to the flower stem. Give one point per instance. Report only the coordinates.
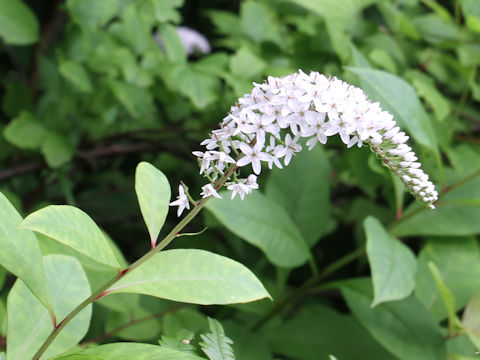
(103, 290)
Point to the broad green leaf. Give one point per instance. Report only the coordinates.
(246, 64)
(137, 101)
(247, 345)
(263, 223)
(426, 89)
(92, 13)
(18, 24)
(125, 327)
(457, 213)
(76, 74)
(189, 319)
(471, 319)
(20, 253)
(404, 327)
(193, 276)
(303, 190)
(165, 10)
(29, 324)
(25, 131)
(129, 351)
(258, 22)
(198, 86)
(471, 12)
(392, 263)
(57, 150)
(317, 331)
(434, 29)
(447, 296)
(458, 262)
(72, 227)
(216, 344)
(153, 193)
(398, 97)
(172, 44)
(344, 10)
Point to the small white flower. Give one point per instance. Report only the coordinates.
(240, 189)
(182, 201)
(253, 155)
(208, 190)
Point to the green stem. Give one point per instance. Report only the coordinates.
(103, 290)
(300, 291)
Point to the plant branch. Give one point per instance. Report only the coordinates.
(103, 290)
(312, 281)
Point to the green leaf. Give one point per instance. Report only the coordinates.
(92, 13)
(458, 262)
(76, 74)
(404, 328)
(18, 24)
(129, 351)
(456, 213)
(172, 44)
(247, 344)
(57, 150)
(245, 64)
(447, 296)
(200, 87)
(258, 22)
(153, 193)
(303, 190)
(28, 322)
(129, 328)
(165, 10)
(25, 131)
(193, 276)
(265, 224)
(20, 253)
(216, 344)
(331, 9)
(392, 263)
(137, 101)
(317, 331)
(471, 12)
(425, 87)
(471, 319)
(72, 227)
(398, 97)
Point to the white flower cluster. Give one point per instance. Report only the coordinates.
(266, 125)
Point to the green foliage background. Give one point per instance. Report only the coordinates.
(87, 92)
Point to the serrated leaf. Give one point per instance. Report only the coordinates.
(18, 24)
(392, 263)
(193, 276)
(265, 224)
(398, 97)
(20, 253)
(216, 344)
(72, 227)
(153, 193)
(28, 322)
